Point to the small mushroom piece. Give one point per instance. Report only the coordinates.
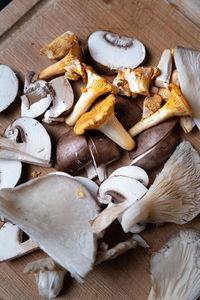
(56, 216)
(36, 109)
(188, 68)
(96, 86)
(10, 173)
(124, 89)
(35, 145)
(59, 47)
(9, 85)
(175, 272)
(165, 67)
(102, 118)
(121, 51)
(48, 275)
(11, 243)
(174, 196)
(176, 105)
(62, 101)
(151, 104)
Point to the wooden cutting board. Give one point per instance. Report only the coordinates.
(159, 25)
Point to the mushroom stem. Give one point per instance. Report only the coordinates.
(116, 132)
(52, 70)
(176, 105)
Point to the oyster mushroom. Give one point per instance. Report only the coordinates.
(35, 147)
(121, 51)
(102, 118)
(59, 47)
(174, 196)
(62, 101)
(48, 275)
(165, 67)
(176, 105)
(175, 270)
(60, 215)
(9, 85)
(96, 86)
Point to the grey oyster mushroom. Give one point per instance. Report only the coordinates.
(35, 145)
(174, 196)
(175, 272)
(121, 51)
(9, 86)
(49, 276)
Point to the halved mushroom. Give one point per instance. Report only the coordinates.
(48, 275)
(175, 272)
(96, 86)
(10, 172)
(35, 145)
(9, 85)
(56, 218)
(11, 243)
(176, 105)
(165, 67)
(102, 118)
(121, 51)
(62, 101)
(59, 47)
(174, 196)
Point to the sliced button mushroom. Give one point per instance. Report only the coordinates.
(174, 196)
(56, 218)
(96, 86)
(35, 147)
(165, 67)
(9, 85)
(109, 51)
(62, 101)
(48, 275)
(176, 105)
(10, 173)
(102, 118)
(175, 269)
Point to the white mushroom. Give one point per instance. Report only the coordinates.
(165, 67)
(175, 271)
(56, 218)
(174, 196)
(93, 171)
(36, 109)
(48, 275)
(10, 172)
(62, 101)
(35, 147)
(9, 85)
(11, 243)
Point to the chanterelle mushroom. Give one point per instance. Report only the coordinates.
(175, 269)
(96, 86)
(176, 105)
(8, 86)
(174, 196)
(35, 147)
(102, 117)
(56, 218)
(110, 51)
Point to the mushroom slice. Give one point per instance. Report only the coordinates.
(59, 47)
(121, 51)
(174, 196)
(102, 118)
(10, 172)
(175, 272)
(188, 66)
(151, 104)
(35, 147)
(36, 109)
(132, 172)
(96, 86)
(124, 89)
(11, 243)
(62, 101)
(9, 85)
(165, 67)
(176, 105)
(56, 218)
(48, 275)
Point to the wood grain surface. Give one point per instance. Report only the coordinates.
(158, 25)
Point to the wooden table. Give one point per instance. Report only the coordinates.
(159, 25)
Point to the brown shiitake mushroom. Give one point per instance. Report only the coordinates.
(155, 145)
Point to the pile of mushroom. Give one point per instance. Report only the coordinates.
(99, 128)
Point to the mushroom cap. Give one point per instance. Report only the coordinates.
(96, 117)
